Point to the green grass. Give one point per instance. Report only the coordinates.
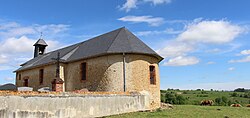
(192, 111)
(194, 97)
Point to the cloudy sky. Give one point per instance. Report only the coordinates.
(205, 43)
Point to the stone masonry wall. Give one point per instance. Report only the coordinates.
(138, 80)
(104, 73)
(33, 75)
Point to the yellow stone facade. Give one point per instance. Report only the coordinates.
(104, 73)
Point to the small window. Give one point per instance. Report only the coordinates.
(152, 74)
(84, 71)
(19, 76)
(41, 72)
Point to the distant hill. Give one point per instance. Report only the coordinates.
(8, 87)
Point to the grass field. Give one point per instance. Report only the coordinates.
(192, 111)
(195, 97)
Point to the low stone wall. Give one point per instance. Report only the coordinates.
(65, 106)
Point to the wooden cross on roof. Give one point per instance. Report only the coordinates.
(58, 60)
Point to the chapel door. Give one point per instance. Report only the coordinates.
(26, 82)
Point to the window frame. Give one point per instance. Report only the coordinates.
(82, 78)
(41, 76)
(152, 74)
(19, 76)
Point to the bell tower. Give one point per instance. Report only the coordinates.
(40, 46)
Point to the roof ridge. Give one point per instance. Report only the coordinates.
(71, 51)
(77, 45)
(114, 39)
(128, 39)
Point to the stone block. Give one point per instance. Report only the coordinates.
(25, 89)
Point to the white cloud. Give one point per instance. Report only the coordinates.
(215, 50)
(17, 41)
(210, 62)
(23, 45)
(18, 50)
(17, 45)
(13, 29)
(9, 79)
(156, 32)
(157, 2)
(245, 52)
(231, 68)
(152, 21)
(214, 32)
(51, 28)
(174, 49)
(8, 25)
(245, 59)
(131, 4)
(3, 59)
(5, 67)
(200, 34)
(182, 61)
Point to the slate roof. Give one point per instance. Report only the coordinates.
(118, 41)
(40, 42)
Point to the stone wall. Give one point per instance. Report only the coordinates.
(105, 73)
(70, 106)
(33, 76)
(138, 80)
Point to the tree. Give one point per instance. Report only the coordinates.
(239, 90)
(198, 89)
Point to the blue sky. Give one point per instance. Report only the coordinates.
(205, 43)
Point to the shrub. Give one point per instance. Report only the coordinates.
(185, 92)
(218, 101)
(174, 98)
(170, 98)
(234, 94)
(203, 92)
(180, 99)
(163, 98)
(229, 102)
(221, 101)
